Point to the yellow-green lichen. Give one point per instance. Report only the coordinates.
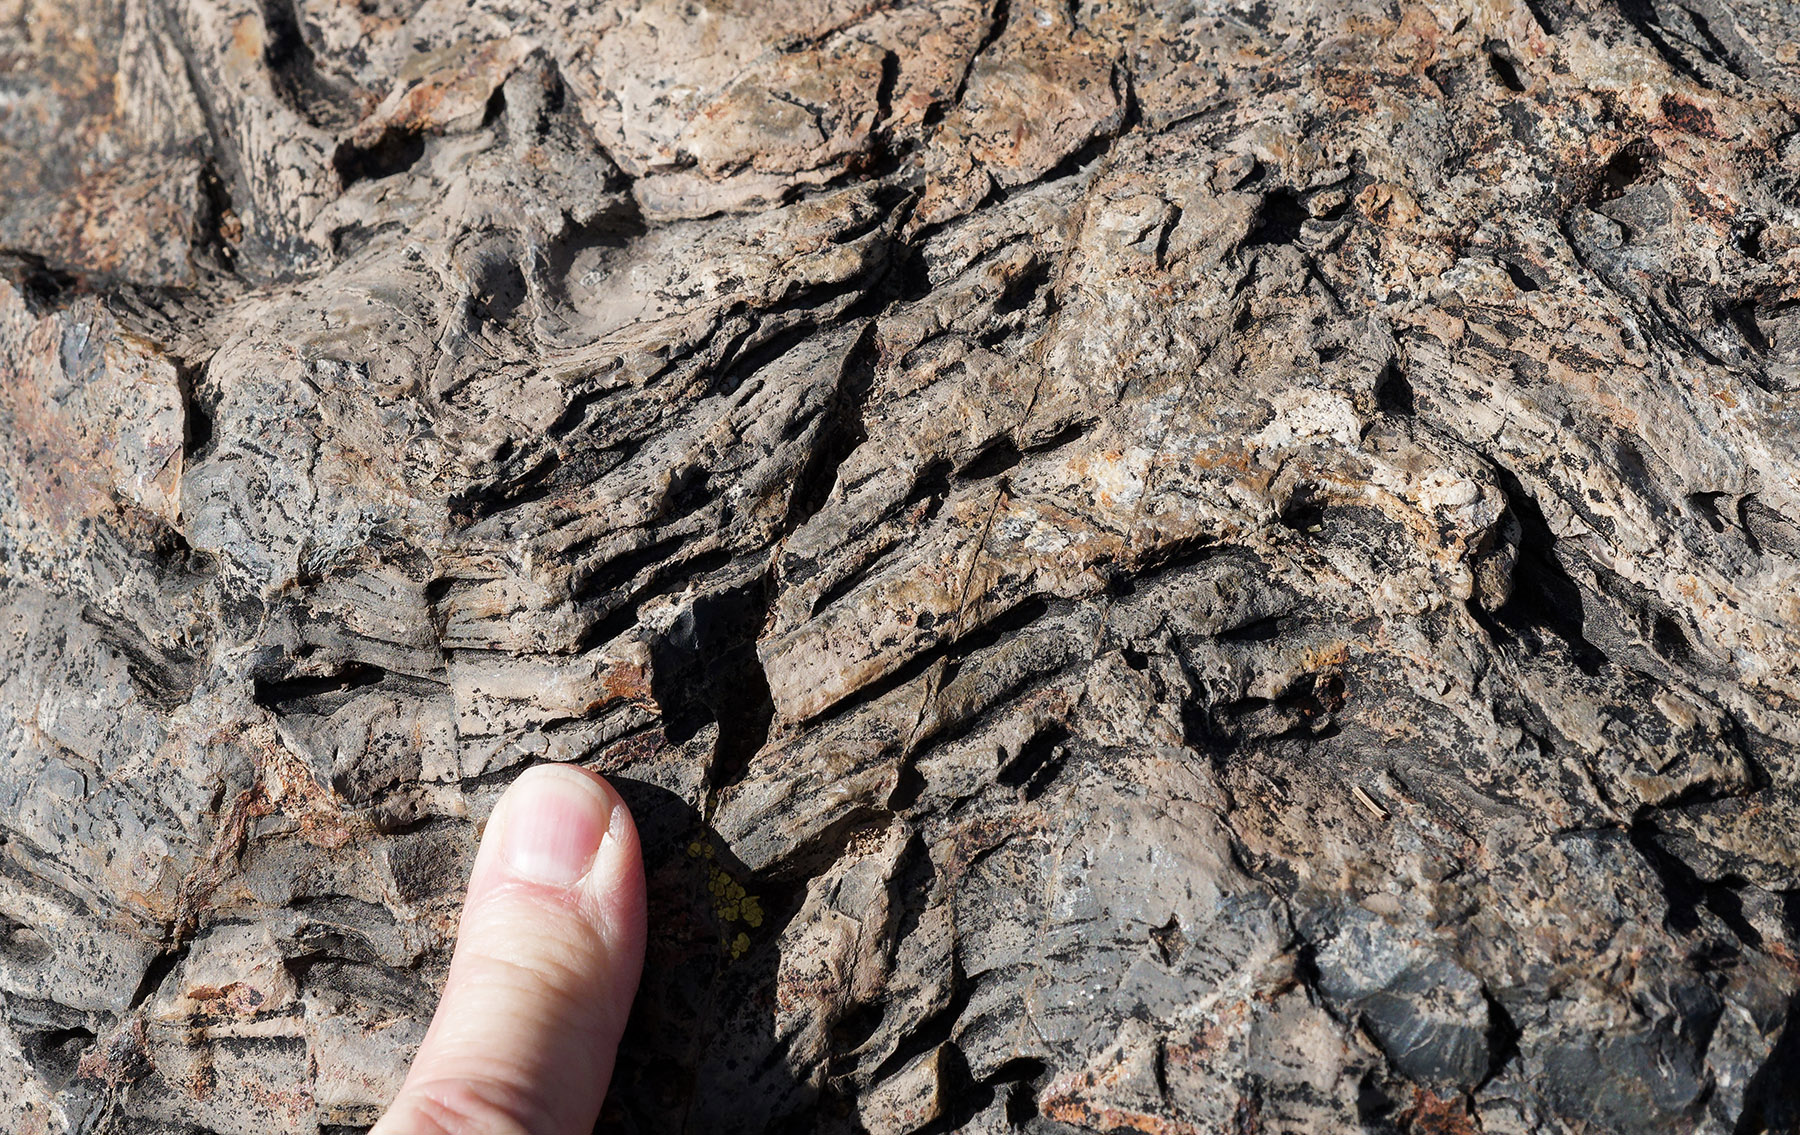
(730, 901)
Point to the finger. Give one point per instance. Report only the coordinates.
(546, 964)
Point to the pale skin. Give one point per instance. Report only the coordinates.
(546, 964)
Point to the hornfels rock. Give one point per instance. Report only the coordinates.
(1181, 567)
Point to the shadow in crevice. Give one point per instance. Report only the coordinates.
(1546, 605)
(701, 1053)
(1686, 893)
(1679, 46)
(705, 669)
(324, 101)
(1772, 1098)
(1279, 219)
(45, 288)
(395, 151)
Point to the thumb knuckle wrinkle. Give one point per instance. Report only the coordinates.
(477, 1107)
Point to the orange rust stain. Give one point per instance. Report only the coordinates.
(1687, 117)
(246, 38)
(628, 683)
(1197, 1051)
(977, 838)
(1082, 1113)
(296, 1104)
(1388, 204)
(1241, 460)
(637, 747)
(200, 1082)
(1431, 1114)
(1326, 655)
(238, 998)
(119, 1058)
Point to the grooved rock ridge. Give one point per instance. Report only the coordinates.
(1216, 566)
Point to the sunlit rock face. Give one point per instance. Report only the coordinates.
(1200, 567)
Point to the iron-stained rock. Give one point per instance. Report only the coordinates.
(1185, 567)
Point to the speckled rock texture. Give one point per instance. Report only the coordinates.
(1210, 566)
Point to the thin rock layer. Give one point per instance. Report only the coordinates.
(1191, 567)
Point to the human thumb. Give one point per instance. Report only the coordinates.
(546, 963)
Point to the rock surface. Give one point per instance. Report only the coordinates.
(1182, 567)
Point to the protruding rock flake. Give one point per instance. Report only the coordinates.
(1185, 568)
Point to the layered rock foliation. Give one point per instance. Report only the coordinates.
(1200, 567)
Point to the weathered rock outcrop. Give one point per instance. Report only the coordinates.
(1195, 567)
